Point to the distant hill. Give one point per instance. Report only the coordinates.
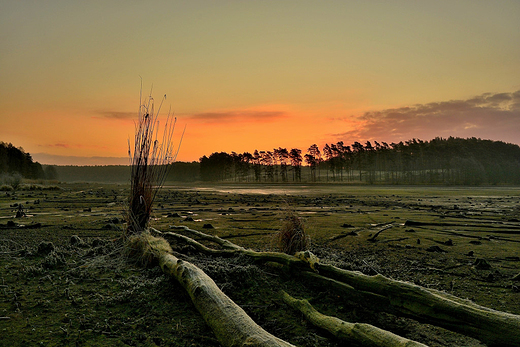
(14, 160)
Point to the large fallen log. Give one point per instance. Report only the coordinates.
(502, 228)
(494, 328)
(229, 322)
(360, 333)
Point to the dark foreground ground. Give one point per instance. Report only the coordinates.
(64, 280)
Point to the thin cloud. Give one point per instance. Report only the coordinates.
(493, 116)
(115, 115)
(68, 146)
(59, 145)
(238, 116)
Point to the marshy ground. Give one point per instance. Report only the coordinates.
(64, 280)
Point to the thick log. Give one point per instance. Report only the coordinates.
(359, 333)
(229, 322)
(495, 328)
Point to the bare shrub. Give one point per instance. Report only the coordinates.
(13, 180)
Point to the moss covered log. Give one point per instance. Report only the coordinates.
(358, 333)
(229, 322)
(495, 328)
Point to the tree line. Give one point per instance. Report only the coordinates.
(447, 161)
(178, 172)
(15, 161)
(457, 161)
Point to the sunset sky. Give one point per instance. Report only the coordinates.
(246, 75)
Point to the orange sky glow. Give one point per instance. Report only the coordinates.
(246, 75)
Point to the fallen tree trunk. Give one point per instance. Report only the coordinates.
(229, 322)
(504, 228)
(359, 333)
(494, 328)
(373, 238)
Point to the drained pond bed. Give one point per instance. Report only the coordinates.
(65, 279)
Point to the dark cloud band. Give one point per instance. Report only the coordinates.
(494, 116)
(238, 116)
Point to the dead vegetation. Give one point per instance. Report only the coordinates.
(150, 160)
(292, 236)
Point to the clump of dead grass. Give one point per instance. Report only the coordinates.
(150, 161)
(292, 236)
(145, 249)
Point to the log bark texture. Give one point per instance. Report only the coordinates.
(359, 333)
(495, 328)
(229, 322)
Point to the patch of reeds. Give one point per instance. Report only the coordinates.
(33, 186)
(6, 188)
(292, 237)
(150, 161)
(11, 179)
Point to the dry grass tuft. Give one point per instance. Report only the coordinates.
(144, 249)
(291, 237)
(150, 160)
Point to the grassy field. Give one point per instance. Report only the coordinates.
(65, 280)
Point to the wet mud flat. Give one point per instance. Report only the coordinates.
(65, 280)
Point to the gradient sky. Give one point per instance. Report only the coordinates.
(246, 75)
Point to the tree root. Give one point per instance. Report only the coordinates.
(494, 328)
(231, 249)
(230, 323)
(359, 333)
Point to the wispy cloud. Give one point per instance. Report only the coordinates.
(490, 115)
(238, 116)
(115, 115)
(59, 145)
(71, 146)
(206, 117)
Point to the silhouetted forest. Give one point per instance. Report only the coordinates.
(14, 160)
(179, 172)
(453, 161)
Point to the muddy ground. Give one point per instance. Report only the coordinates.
(65, 281)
